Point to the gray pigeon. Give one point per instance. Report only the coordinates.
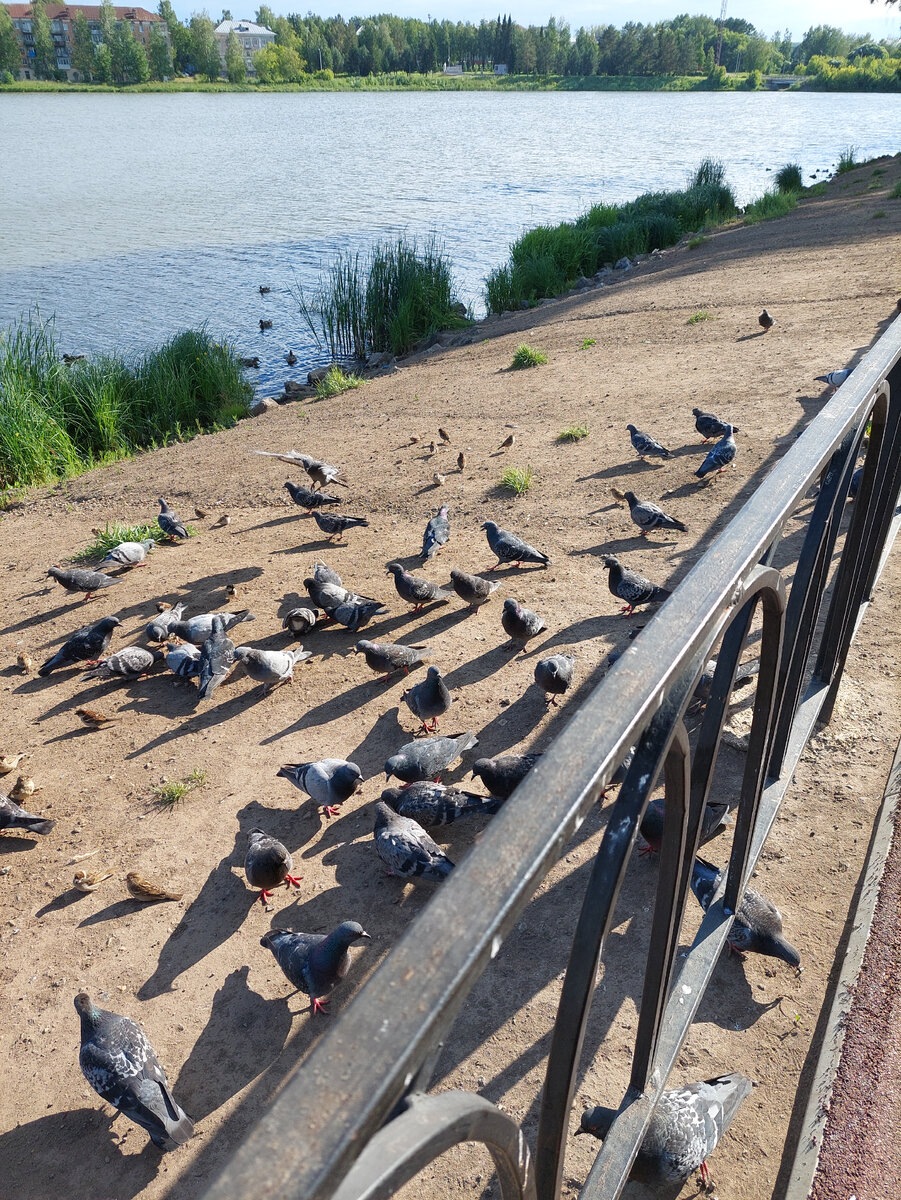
(427, 759)
(436, 535)
(645, 446)
(475, 590)
(314, 962)
(709, 426)
(766, 321)
(686, 1127)
(131, 662)
(307, 498)
(119, 1063)
(511, 549)
(630, 586)
(168, 521)
(129, 554)
(183, 659)
(198, 629)
(267, 864)
(334, 525)
(347, 608)
(433, 804)
(554, 675)
(387, 657)
(647, 515)
(429, 699)
(719, 456)
(714, 820)
(301, 620)
(835, 378)
(329, 782)
(271, 667)
(14, 817)
(324, 574)
(520, 623)
(744, 675)
(87, 644)
(321, 473)
(501, 775)
(327, 594)
(158, 630)
(757, 928)
(77, 580)
(406, 849)
(415, 589)
(217, 656)
(357, 611)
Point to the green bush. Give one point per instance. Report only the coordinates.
(525, 356)
(847, 160)
(336, 381)
(789, 178)
(769, 205)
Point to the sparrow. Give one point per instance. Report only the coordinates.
(438, 479)
(223, 520)
(231, 591)
(617, 495)
(461, 461)
(94, 719)
(142, 889)
(88, 881)
(508, 442)
(24, 787)
(9, 762)
(26, 662)
(201, 514)
(414, 439)
(163, 606)
(443, 434)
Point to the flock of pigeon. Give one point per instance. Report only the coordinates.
(116, 1057)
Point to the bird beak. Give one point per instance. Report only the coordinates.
(387, 777)
(366, 935)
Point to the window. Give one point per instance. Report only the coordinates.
(26, 27)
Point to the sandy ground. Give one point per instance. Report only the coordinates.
(212, 1000)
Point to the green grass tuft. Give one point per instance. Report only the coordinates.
(572, 433)
(525, 356)
(697, 240)
(895, 193)
(847, 160)
(877, 215)
(168, 794)
(517, 479)
(114, 533)
(701, 315)
(336, 382)
(816, 189)
(789, 178)
(586, 342)
(770, 205)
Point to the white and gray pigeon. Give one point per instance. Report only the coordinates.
(387, 657)
(131, 662)
(329, 782)
(436, 535)
(429, 699)
(647, 515)
(685, 1129)
(757, 928)
(520, 624)
(217, 657)
(433, 804)
(554, 675)
(129, 554)
(426, 759)
(119, 1063)
(415, 589)
(14, 817)
(511, 549)
(628, 585)
(314, 962)
(271, 667)
(158, 630)
(406, 849)
(835, 378)
(710, 426)
(322, 473)
(719, 456)
(268, 864)
(300, 621)
(198, 629)
(502, 775)
(169, 522)
(645, 446)
(87, 644)
(473, 589)
(183, 659)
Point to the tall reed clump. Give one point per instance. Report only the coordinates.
(789, 178)
(57, 420)
(386, 300)
(547, 261)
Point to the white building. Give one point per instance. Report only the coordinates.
(251, 36)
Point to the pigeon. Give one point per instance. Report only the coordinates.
(719, 456)
(387, 657)
(77, 580)
(14, 817)
(329, 782)
(118, 1062)
(314, 962)
(757, 928)
(147, 891)
(647, 515)
(709, 426)
(217, 655)
(427, 759)
(433, 804)
(415, 589)
(322, 473)
(686, 1127)
(94, 719)
(475, 590)
(335, 526)
(630, 586)
(357, 611)
(271, 667)
(854, 485)
(268, 863)
(713, 822)
(327, 594)
(765, 321)
(429, 699)
(300, 620)
(264, 324)
(511, 549)
(198, 629)
(129, 554)
(520, 623)
(645, 446)
(87, 644)
(129, 663)
(743, 676)
(168, 521)
(307, 498)
(183, 659)
(323, 573)
(159, 629)
(436, 535)
(501, 775)
(9, 762)
(835, 378)
(406, 849)
(554, 675)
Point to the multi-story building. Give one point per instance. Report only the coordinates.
(252, 38)
(61, 17)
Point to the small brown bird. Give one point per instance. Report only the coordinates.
(432, 448)
(765, 321)
(231, 591)
(443, 434)
(290, 358)
(617, 495)
(9, 762)
(223, 520)
(163, 606)
(438, 479)
(461, 461)
(88, 881)
(23, 788)
(414, 439)
(508, 442)
(142, 889)
(93, 718)
(25, 662)
(201, 514)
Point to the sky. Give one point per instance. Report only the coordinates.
(855, 16)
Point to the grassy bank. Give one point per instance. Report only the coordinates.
(58, 419)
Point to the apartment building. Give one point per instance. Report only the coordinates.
(61, 17)
(251, 36)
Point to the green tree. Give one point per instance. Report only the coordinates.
(103, 64)
(204, 47)
(822, 39)
(10, 56)
(107, 20)
(235, 67)
(82, 47)
(160, 56)
(128, 57)
(44, 61)
(179, 37)
(265, 16)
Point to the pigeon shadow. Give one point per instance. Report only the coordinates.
(276, 521)
(478, 669)
(15, 845)
(728, 1000)
(632, 467)
(384, 738)
(338, 706)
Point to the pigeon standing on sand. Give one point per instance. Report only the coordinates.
(510, 549)
(129, 554)
(119, 1063)
(14, 817)
(834, 378)
(406, 849)
(183, 659)
(685, 1129)
(307, 498)
(85, 645)
(645, 446)
(714, 819)
(501, 775)
(300, 621)
(436, 535)
(520, 623)
(129, 663)
(356, 611)
(329, 782)
(475, 590)
(314, 962)
(719, 456)
(429, 699)
(647, 515)
(387, 657)
(333, 525)
(267, 864)
(765, 321)
(198, 629)
(217, 656)
(709, 426)
(433, 804)
(630, 586)
(77, 580)
(416, 589)
(159, 629)
(554, 675)
(168, 521)
(757, 928)
(270, 667)
(419, 761)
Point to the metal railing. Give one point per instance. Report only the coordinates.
(354, 1121)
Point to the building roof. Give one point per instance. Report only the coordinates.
(243, 27)
(91, 12)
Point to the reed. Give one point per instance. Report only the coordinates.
(769, 205)
(789, 178)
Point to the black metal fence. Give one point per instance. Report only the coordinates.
(355, 1121)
